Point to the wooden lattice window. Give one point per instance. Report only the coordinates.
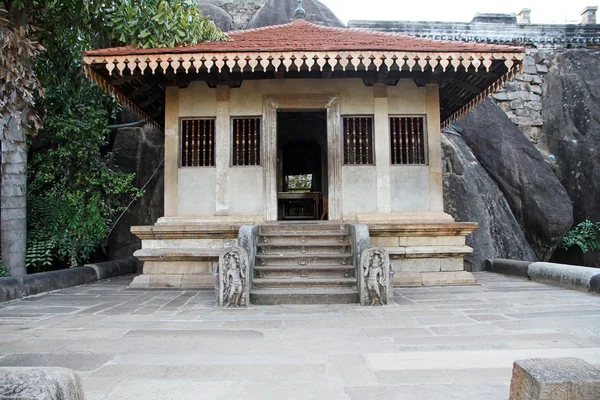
(246, 141)
(407, 140)
(198, 142)
(358, 140)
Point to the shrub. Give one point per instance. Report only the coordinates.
(586, 235)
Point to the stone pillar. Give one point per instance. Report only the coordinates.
(434, 152)
(524, 16)
(382, 148)
(222, 150)
(171, 151)
(588, 15)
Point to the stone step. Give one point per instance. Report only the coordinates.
(263, 260)
(307, 248)
(303, 227)
(303, 296)
(313, 271)
(304, 283)
(283, 238)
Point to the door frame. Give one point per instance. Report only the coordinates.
(331, 103)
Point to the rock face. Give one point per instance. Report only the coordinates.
(471, 195)
(141, 151)
(571, 112)
(240, 11)
(220, 17)
(536, 197)
(277, 12)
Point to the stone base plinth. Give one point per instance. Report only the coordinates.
(434, 278)
(179, 255)
(426, 253)
(179, 281)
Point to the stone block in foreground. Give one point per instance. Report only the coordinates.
(40, 384)
(554, 379)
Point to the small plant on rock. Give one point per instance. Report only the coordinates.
(586, 235)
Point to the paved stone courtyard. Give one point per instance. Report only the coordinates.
(435, 343)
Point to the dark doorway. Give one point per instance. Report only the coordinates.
(302, 165)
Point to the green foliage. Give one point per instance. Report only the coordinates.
(160, 23)
(74, 194)
(3, 270)
(586, 235)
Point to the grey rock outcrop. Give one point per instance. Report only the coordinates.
(571, 112)
(536, 197)
(139, 151)
(277, 12)
(220, 17)
(470, 195)
(40, 384)
(240, 11)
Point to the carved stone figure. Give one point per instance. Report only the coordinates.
(375, 276)
(233, 278)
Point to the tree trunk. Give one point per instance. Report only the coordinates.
(13, 200)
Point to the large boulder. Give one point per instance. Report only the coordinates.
(536, 197)
(48, 383)
(571, 112)
(220, 17)
(139, 151)
(470, 195)
(277, 12)
(240, 11)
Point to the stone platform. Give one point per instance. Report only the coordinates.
(436, 343)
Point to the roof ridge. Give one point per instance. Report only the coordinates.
(357, 30)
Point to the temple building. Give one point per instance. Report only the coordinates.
(305, 135)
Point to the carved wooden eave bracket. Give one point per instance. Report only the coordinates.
(102, 69)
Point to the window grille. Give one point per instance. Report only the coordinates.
(246, 141)
(407, 140)
(358, 140)
(198, 142)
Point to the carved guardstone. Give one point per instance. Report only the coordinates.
(375, 277)
(233, 278)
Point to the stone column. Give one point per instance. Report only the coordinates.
(171, 151)
(222, 150)
(434, 143)
(382, 148)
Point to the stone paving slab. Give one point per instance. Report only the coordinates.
(434, 343)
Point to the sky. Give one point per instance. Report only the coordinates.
(542, 11)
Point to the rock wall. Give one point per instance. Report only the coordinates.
(499, 234)
(139, 151)
(248, 14)
(554, 102)
(240, 11)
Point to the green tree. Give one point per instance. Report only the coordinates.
(75, 126)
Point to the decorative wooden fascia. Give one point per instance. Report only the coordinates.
(186, 62)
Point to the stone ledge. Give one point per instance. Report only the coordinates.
(554, 379)
(508, 267)
(428, 251)
(40, 384)
(434, 278)
(571, 276)
(42, 282)
(179, 281)
(178, 254)
(422, 229)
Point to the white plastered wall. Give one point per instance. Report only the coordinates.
(409, 185)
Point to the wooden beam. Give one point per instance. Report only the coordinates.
(466, 85)
(125, 79)
(151, 100)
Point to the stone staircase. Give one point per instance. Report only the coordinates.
(304, 263)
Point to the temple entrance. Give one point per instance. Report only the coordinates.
(302, 192)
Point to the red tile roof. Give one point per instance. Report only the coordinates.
(301, 35)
